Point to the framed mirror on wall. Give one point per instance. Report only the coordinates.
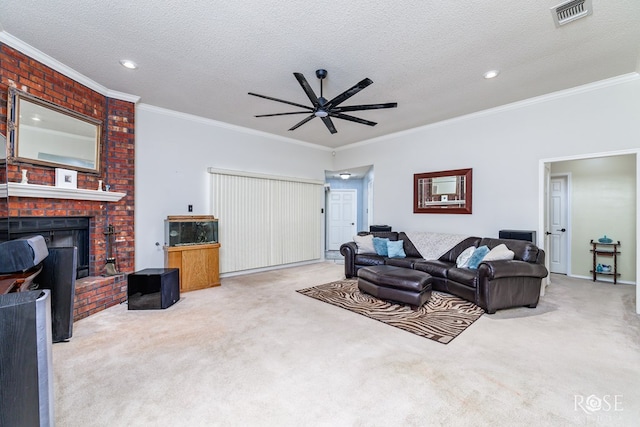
(448, 192)
(40, 132)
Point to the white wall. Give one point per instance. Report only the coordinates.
(504, 147)
(173, 152)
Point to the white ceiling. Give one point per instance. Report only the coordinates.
(203, 57)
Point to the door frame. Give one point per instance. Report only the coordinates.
(542, 205)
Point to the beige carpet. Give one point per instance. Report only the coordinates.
(440, 319)
(253, 352)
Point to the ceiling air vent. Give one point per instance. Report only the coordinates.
(570, 11)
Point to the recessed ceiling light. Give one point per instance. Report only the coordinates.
(128, 64)
(491, 74)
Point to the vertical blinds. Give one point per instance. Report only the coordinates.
(264, 220)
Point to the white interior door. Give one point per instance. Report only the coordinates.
(343, 209)
(558, 225)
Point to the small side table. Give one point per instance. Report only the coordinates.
(153, 288)
(609, 250)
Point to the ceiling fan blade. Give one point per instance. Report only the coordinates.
(282, 114)
(352, 119)
(329, 124)
(307, 89)
(281, 100)
(364, 107)
(348, 93)
(302, 122)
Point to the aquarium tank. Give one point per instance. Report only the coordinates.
(183, 230)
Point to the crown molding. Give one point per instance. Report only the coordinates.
(50, 62)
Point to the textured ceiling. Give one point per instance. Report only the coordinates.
(203, 57)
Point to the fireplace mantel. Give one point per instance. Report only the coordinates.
(17, 189)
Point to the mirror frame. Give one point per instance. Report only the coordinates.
(449, 207)
(13, 130)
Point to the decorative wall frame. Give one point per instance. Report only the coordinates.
(66, 178)
(448, 192)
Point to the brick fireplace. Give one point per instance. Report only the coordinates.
(97, 291)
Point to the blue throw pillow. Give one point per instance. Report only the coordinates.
(477, 256)
(395, 249)
(380, 245)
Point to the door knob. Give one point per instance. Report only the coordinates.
(547, 232)
(563, 230)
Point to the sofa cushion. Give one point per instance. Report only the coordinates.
(499, 253)
(380, 245)
(365, 244)
(435, 267)
(477, 256)
(523, 250)
(463, 258)
(407, 262)
(395, 249)
(465, 276)
(369, 259)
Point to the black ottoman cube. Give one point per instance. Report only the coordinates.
(397, 284)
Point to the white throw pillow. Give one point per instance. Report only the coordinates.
(500, 252)
(365, 244)
(463, 258)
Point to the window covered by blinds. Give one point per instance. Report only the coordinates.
(264, 220)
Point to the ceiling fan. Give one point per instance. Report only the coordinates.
(325, 109)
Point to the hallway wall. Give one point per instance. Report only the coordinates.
(603, 201)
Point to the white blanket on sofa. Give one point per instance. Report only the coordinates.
(434, 245)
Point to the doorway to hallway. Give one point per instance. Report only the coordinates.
(342, 212)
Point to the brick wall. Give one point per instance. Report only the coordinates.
(116, 169)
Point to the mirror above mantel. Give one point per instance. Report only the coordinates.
(44, 133)
(446, 192)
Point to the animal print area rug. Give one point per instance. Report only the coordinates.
(441, 319)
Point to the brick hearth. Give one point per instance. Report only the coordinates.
(96, 292)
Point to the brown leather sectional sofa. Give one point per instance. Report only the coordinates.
(494, 285)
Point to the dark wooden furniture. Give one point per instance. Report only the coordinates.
(18, 282)
(153, 288)
(527, 235)
(609, 250)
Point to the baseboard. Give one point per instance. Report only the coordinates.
(273, 267)
(604, 279)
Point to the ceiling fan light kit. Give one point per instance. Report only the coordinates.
(326, 109)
